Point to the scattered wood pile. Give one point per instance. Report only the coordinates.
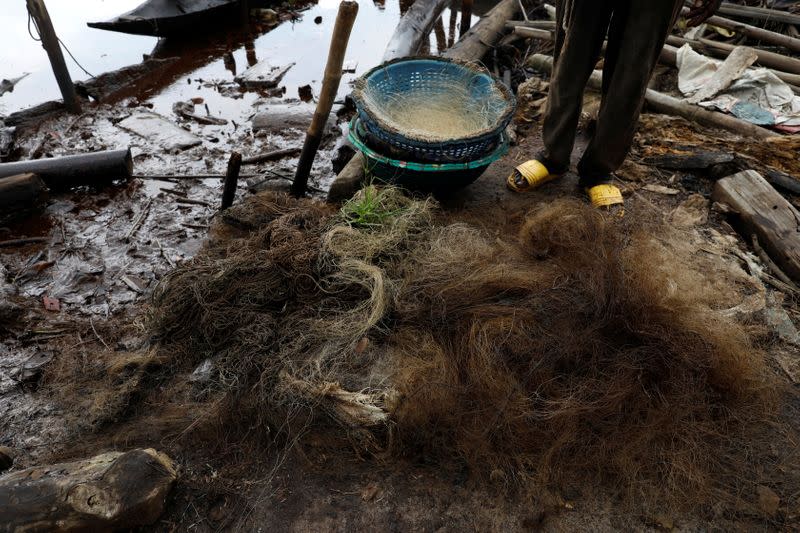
(732, 49)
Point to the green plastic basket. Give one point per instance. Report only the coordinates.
(422, 176)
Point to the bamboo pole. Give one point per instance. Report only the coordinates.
(330, 86)
(231, 180)
(41, 17)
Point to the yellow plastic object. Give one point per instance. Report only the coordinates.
(605, 196)
(533, 174)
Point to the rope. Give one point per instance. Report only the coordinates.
(38, 38)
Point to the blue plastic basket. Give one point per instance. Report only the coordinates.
(444, 177)
(427, 76)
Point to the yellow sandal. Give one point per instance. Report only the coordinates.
(529, 176)
(607, 197)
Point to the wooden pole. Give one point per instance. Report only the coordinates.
(441, 36)
(231, 180)
(668, 105)
(41, 17)
(754, 32)
(759, 13)
(451, 32)
(330, 86)
(466, 16)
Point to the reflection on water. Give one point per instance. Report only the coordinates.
(98, 51)
(214, 58)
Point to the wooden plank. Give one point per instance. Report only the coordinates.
(159, 130)
(758, 209)
(263, 75)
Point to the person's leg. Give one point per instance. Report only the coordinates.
(586, 22)
(576, 52)
(635, 39)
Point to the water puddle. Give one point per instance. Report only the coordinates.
(108, 249)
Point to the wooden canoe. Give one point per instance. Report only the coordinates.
(171, 18)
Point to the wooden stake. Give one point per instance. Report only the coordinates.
(330, 86)
(466, 16)
(231, 180)
(38, 11)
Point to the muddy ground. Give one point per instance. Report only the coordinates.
(108, 249)
(310, 488)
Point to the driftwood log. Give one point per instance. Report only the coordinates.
(759, 210)
(413, 27)
(668, 105)
(346, 17)
(472, 46)
(33, 116)
(108, 492)
(20, 195)
(106, 86)
(60, 173)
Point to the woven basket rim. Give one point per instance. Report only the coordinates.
(499, 124)
(355, 138)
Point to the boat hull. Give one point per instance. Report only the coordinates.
(147, 20)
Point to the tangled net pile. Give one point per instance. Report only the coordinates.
(577, 347)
